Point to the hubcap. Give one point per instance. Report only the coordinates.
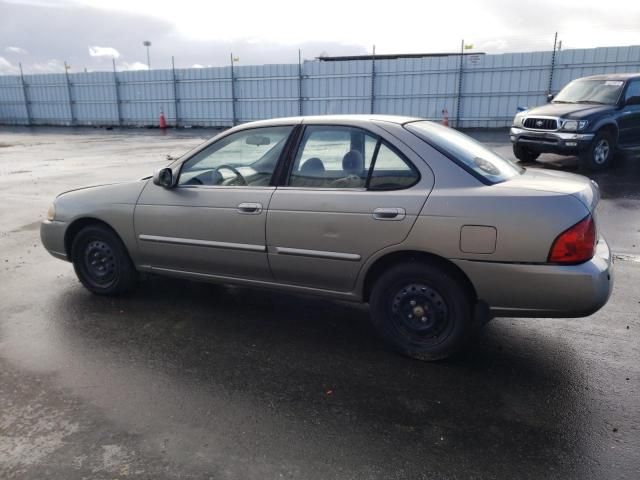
(420, 313)
(601, 152)
(100, 261)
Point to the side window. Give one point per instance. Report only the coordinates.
(246, 158)
(391, 171)
(632, 97)
(333, 157)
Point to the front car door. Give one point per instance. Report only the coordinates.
(213, 221)
(349, 193)
(629, 122)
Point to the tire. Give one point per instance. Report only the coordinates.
(102, 262)
(599, 155)
(524, 154)
(421, 310)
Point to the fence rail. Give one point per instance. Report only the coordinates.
(480, 91)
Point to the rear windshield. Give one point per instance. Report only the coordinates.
(473, 156)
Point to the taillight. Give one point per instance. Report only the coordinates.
(576, 244)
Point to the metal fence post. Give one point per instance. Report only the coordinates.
(459, 99)
(24, 95)
(553, 62)
(299, 82)
(175, 92)
(373, 80)
(117, 92)
(66, 76)
(233, 95)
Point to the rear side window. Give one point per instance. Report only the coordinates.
(391, 171)
(470, 154)
(346, 157)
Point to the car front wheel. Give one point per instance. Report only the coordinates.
(421, 310)
(599, 155)
(524, 154)
(101, 261)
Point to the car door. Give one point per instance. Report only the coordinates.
(629, 123)
(213, 220)
(348, 194)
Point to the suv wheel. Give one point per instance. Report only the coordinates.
(101, 261)
(524, 154)
(421, 310)
(600, 153)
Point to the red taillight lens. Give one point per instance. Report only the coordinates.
(576, 244)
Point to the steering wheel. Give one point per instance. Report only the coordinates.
(235, 172)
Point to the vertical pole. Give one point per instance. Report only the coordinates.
(175, 92)
(233, 95)
(148, 59)
(553, 62)
(117, 92)
(66, 76)
(24, 95)
(373, 80)
(299, 82)
(459, 99)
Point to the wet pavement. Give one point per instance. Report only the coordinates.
(187, 380)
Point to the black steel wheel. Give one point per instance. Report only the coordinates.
(101, 261)
(421, 310)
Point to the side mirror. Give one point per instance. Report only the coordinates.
(163, 178)
(550, 96)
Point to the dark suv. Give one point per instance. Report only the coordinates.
(591, 117)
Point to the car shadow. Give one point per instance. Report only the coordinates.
(313, 371)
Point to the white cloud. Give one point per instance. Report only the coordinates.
(16, 50)
(104, 52)
(7, 68)
(133, 66)
(50, 66)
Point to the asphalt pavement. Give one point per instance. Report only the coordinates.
(189, 380)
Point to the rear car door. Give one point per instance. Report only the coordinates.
(629, 123)
(348, 194)
(213, 220)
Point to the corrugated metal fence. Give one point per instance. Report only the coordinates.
(487, 88)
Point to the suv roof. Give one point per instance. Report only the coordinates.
(612, 76)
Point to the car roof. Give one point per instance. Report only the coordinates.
(332, 119)
(612, 76)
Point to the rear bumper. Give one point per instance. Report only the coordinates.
(521, 290)
(52, 236)
(566, 143)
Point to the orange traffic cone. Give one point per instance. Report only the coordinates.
(445, 117)
(163, 121)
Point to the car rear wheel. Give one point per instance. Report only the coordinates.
(101, 261)
(421, 310)
(524, 154)
(599, 155)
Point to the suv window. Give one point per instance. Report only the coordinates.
(245, 158)
(346, 157)
(633, 91)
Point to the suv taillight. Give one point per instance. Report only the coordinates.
(576, 244)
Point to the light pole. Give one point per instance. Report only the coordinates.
(147, 44)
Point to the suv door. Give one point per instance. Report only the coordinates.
(213, 220)
(629, 123)
(348, 194)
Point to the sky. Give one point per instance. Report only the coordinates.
(87, 34)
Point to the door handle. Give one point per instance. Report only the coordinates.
(389, 213)
(250, 208)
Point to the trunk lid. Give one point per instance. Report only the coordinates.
(581, 187)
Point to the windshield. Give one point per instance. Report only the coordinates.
(470, 154)
(605, 92)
